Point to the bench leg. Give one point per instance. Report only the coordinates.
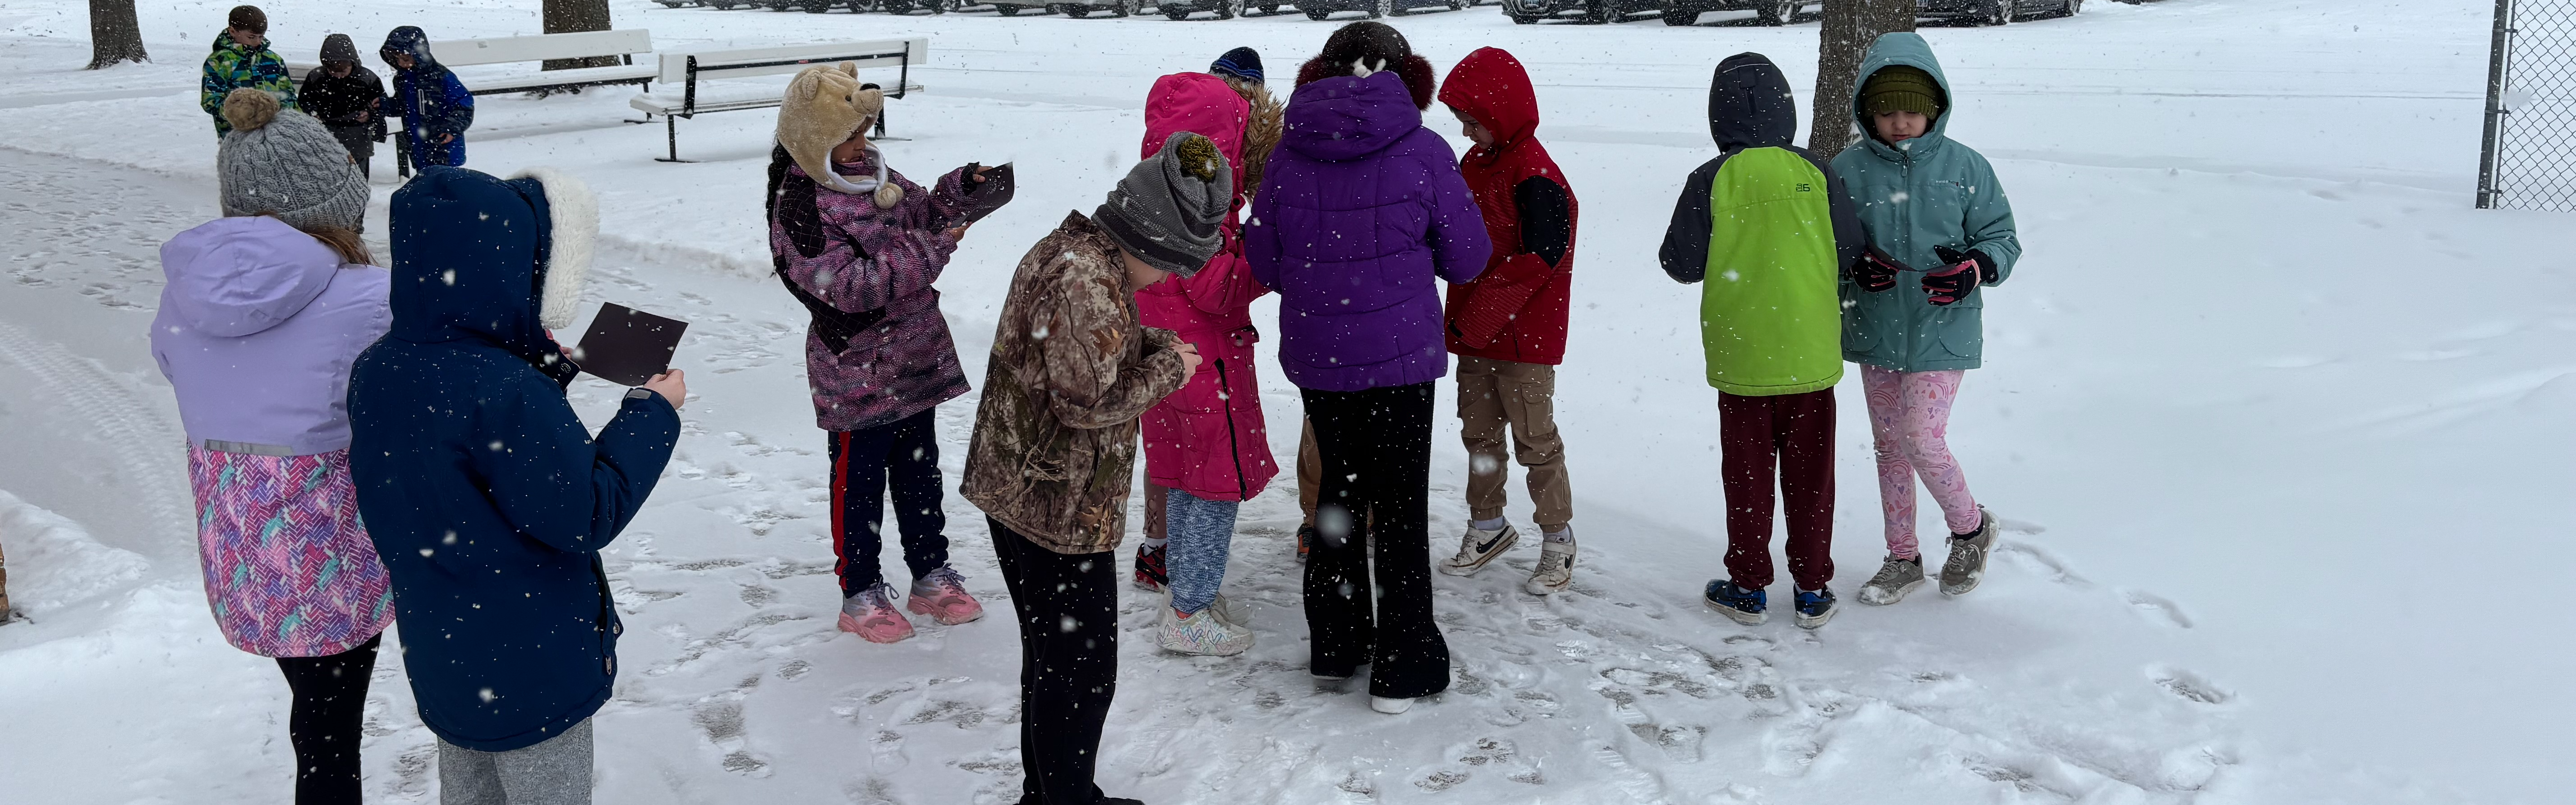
(671, 127)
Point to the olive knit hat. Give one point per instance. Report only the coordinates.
(282, 162)
(1899, 88)
(1167, 209)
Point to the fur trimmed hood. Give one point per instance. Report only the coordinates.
(824, 105)
(478, 258)
(1261, 133)
(1366, 47)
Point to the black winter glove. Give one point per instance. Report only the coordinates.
(1875, 271)
(1961, 272)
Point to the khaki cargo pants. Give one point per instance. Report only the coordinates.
(1492, 396)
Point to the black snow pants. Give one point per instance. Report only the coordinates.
(1376, 446)
(1067, 606)
(330, 707)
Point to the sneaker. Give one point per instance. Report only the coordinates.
(1555, 569)
(1967, 564)
(1814, 608)
(1895, 578)
(1150, 573)
(1393, 707)
(1745, 606)
(1305, 538)
(942, 596)
(1479, 547)
(1234, 613)
(871, 615)
(1203, 634)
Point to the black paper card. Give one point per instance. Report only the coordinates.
(985, 197)
(628, 346)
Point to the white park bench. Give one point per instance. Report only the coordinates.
(683, 77)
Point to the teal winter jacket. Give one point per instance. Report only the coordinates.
(1922, 194)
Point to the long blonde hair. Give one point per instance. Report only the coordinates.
(346, 243)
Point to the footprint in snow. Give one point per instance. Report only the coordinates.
(2156, 609)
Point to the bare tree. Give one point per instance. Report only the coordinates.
(570, 16)
(1850, 26)
(114, 35)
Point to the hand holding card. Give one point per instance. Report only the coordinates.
(629, 347)
(983, 197)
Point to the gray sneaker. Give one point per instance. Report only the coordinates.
(1895, 578)
(1967, 564)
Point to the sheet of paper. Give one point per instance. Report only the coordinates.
(628, 346)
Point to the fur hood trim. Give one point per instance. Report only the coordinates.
(572, 233)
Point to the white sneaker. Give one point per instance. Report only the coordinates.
(1203, 634)
(1233, 612)
(1555, 569)
(1393, 707)
(1479, 547)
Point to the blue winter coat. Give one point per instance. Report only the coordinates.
(1933, 192)
(430, 100)
(484, 493)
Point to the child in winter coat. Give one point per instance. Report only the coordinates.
(435, 108)
(1766, 225)
(1055, 440)
(1207, 448)
(264, 311)
(1508, 326)
(861, 254)
(1362, 213)
(241, 58)
(1932, 205)
(487, 496)
(347, 97)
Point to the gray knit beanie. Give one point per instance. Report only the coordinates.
(1167, 209)
(282, 162)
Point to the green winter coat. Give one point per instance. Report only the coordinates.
(232, 67)
(1932, 192)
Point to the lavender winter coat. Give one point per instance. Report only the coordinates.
(257, 330)
(1360, 208)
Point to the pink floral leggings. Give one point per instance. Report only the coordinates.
(1909, 422)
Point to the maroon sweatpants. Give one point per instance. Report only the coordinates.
(1793, 433)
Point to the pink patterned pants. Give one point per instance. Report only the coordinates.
(1909, 422)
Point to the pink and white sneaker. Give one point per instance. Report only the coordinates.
(942, 596)
(871, 615)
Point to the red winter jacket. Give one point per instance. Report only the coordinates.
(1515, 311)
(1208, 439)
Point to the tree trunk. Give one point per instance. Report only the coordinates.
(1849, 28)
(114, 35)
(571, 16)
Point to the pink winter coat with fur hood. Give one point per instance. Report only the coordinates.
(1208, 439)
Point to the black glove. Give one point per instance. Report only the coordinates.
(1961, 272)
(1875, 271)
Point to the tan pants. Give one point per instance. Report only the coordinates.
(1494, 394)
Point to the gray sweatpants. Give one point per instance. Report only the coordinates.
(555, 772)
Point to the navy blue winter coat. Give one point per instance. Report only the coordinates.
(431, 101)
(485, 494)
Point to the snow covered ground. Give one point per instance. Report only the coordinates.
(2278, 423)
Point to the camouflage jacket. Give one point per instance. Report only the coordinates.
(1054, 450)
(232, 67)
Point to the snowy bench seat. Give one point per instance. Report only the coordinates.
(687, 71)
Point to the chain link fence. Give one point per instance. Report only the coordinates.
(2529, 158)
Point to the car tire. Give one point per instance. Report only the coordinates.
(1318, 14)
(1681, 14)
(1776, 13)
(1269, 9)
(2073, 7)
(1523, 19)
(1006, 9)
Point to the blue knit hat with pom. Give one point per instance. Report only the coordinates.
(1243, 63)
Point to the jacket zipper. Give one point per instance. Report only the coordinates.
(1225, 398)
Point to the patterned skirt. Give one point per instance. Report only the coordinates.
(289, 569)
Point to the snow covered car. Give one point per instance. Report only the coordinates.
(1675, 12)
(1996, 12)
(1320, 9)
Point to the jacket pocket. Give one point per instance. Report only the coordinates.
(1861, 334)
(1961, 330)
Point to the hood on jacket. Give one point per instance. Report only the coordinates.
(412, 40)
(1492, 87)
(1346, 118)
(232, 277)
(485, 259)
(1261, 134)
(1908, 49)
(1749, 104)
(1201, 104)
(339, 47)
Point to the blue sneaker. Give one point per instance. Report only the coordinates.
(1745, 606)
(1815, 607)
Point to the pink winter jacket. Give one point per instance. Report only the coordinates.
(881, 263)
(1208, 439)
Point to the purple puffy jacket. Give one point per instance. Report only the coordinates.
(258, 327)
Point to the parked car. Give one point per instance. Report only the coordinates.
(1319, 9)
(1182, 9)
(1996, 12)
(1116, 8)
(1675, 12)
